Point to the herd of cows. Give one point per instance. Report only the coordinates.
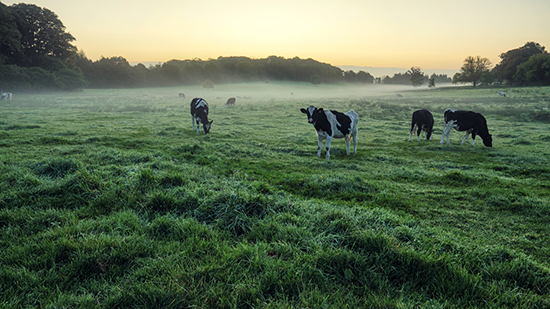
(331, 124)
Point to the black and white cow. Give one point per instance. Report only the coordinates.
(230, 102)
(6, 96)
(199, 114)
(181, 95)
(332, 124)
(468, 121)
(423, 120)
(501, 93)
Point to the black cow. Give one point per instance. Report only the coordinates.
(423, 120)
(468, 121)
(333, 124)
(199, 113)
(230, 102)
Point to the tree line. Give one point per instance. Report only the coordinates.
(526, 65)
(36, 53)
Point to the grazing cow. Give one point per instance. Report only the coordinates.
(230, 102)
(199, 113)
(6, 96)
(468, 121)
(423, 120)
(182, 95)
(333, 124)
(502, 93)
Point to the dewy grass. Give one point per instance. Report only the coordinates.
(110, 200)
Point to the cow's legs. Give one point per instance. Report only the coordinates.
(347, 138)
(354, 136)
(198, 126)
(320, 145)
(413, 127)
(329, 140)
(193, 123)
(446, 131)
(466, 136)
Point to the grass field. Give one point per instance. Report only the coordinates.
(108, 199)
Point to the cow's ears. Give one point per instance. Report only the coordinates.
(303, 110)
(320, 110)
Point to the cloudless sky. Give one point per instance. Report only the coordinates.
(431, 34)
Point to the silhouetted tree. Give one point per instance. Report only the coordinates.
(10, 36)
(472, 70)
(536, 70)
(511, 59)
(431, 82)
(42, 34)
(417, 77)
(364, 77)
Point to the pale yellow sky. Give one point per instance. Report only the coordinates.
(431, 34)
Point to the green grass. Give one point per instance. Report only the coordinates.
(109, 199)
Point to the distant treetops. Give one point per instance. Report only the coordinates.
(36, 53)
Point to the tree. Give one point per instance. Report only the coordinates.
(511, 59)
(9, 36)
(42, 34)
(315, 79)
(431, 82)
(208, 84)
(472, 70)
(536, 70)
(417, 77)
(364, 77)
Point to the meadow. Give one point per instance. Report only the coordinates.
(108, 199)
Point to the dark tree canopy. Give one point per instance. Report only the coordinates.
(42, 34)
(10, 36)
(536, 70)
(417, 77)
(472, 70)
(511, 59)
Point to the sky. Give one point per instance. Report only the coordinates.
(430, 34)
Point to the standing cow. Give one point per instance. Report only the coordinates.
(423, 120)
(468, 121)
(199, 114)
(6, 96)
(230, 102)
(332, 124)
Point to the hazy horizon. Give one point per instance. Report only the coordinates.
(395, 34)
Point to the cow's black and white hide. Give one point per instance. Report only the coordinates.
(199, 114)
(422, 120)
(230, 102)
(332, 124)
(468, 121)
(6, 96)
(501, 93)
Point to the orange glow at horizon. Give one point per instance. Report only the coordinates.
(430, 34)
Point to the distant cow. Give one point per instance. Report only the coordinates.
(6, 96)
(199, 114)
(182, 95)
(423, 120)
(468, 121)
(502, 93)
(230, 102)
(399, 95)
(333, 124)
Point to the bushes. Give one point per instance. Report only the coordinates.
(14, 78)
